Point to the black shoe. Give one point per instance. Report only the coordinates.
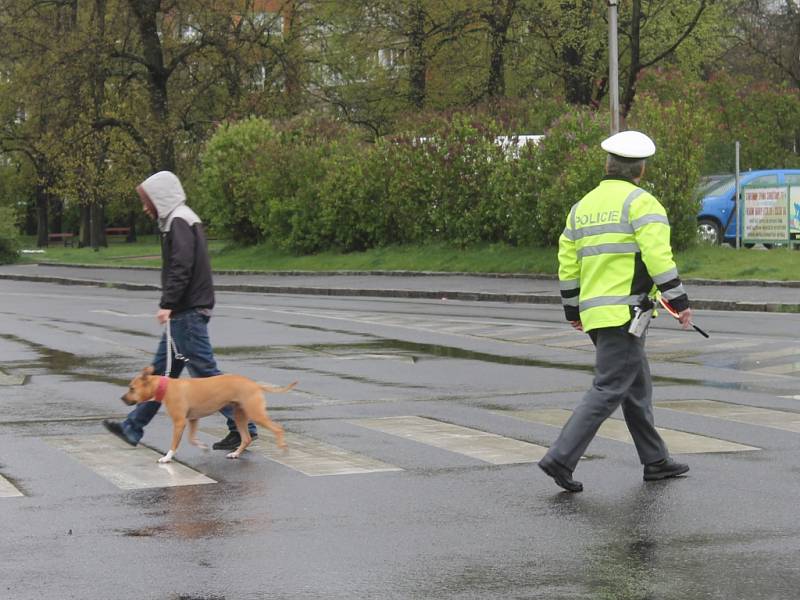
(117, 430)
(560, 474)
(664, 469)
(231, 441)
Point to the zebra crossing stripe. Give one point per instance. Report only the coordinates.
(10, 379)
(315, 458)
(780, 353)
(732, 345)
(740, 413)
(785, 369)
(488, 447)
(7, 489)
(679, 442)
(126, 467)
(583, 341)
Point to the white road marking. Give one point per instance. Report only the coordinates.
(754, 356)
(679, 442)
(313, 457)
(7, 489)
(488, 447)
(126, 467)
(6, 379)
(740, 413)
(784, 369)
(117, 313)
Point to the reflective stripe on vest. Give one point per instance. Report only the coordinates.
(569, 284)
(614, 248)
(610, 301)
(674, 292)
(624, 225)
(647, 219)
(663, 278)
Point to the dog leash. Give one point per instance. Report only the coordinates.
(171, 349)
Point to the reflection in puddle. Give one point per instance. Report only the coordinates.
(84, 368)
(196, 512)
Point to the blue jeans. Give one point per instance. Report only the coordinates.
(189, 330)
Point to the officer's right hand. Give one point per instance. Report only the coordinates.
(685, 318)
(577, 325)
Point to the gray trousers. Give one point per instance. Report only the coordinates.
(622, 376)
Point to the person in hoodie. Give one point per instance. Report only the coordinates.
(187, 298)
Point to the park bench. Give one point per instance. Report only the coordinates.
(65, 237)
(118, 231)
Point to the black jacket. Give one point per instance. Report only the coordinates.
(186, 268)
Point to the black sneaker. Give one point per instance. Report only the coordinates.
(117, 430)
(560, 474)
(664, 469)
(231, 441)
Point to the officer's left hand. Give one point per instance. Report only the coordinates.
(685, 318)
(577, 325)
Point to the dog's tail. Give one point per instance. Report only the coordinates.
(276, 390)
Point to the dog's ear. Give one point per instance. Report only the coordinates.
(148, 370)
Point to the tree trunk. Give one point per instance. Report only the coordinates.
(98, 227)
(132, 225)
(578, 81)
(418, 66)
(56, 215)
(499, 22)
(85, 237)
(629, 92)
(41, 216)
(146, 12)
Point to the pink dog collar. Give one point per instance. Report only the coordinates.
(161, 389)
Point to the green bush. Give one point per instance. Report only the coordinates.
(260, 181)
(354, 200)
(439, 186)
(312, 185)
(537, 190)
(679, 129)
(9, 236)
(240, 170)
(572, 164)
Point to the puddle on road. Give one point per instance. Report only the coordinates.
(116, 370)
(58, 362)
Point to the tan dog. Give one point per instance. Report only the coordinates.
(191, 399)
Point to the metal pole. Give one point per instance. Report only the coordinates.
(613, 65)
(736, 202)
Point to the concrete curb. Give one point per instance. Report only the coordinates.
(510, 298)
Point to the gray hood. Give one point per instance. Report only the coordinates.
(166, 192)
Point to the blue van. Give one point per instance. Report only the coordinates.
(716, 221)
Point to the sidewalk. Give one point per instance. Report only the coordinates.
(704, 294)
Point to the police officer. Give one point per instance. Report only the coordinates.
(613, 255)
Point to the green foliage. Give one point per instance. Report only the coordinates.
(9, 236)
(239, 169)
(308, 186)
(571, 162)
(680, 131)
(261, 181)
(438, 189)
(537, 191)
(354, 200)
(765, 119)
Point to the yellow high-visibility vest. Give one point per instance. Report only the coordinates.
(614, 249)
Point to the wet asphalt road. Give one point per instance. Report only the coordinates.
(442, 524)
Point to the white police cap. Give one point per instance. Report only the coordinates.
(629, 144)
